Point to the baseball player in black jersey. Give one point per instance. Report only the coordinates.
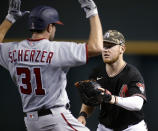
(125, 84)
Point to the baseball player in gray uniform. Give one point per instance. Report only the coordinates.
(38, 65)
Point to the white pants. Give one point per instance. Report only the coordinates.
(141, 126)
(61, 119)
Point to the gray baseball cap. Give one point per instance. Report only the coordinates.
(113, 36)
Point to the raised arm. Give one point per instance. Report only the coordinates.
(95, 41)
(4, 27)
(14, 13)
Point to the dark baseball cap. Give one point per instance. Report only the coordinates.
(113, 36)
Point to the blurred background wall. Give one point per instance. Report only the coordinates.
(137, 20)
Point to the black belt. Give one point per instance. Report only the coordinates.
(43, 112)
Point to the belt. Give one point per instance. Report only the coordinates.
(43, 112)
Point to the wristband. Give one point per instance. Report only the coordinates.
(116, 100)
(113, 99)
(10, 18)
(82, 113)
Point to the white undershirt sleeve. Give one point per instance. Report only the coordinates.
(132, 103)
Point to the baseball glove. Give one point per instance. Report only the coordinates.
(90, 93)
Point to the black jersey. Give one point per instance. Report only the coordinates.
(128, 82)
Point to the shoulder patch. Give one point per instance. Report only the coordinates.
(141, 87)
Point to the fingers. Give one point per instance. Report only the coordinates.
(14, 12)
(14, 4)
(82, 120)
(18, 4)
(25, 13)
(89, 7)
(102, 89)
(77, 84)
(108, 92)
(10, 4)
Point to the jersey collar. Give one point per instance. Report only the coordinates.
(30, 39)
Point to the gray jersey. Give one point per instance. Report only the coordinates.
(39, 70)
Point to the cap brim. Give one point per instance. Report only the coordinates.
(110, 42)
(59, 22)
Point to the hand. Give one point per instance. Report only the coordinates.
(89, 7)
(14, 12)
(82, 119)
(109, 98)
(90, 92)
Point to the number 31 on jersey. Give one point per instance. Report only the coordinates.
(26, 80)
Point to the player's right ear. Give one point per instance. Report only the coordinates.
(122, 49)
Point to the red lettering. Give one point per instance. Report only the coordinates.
(14, 51)
(39, 90)
(36, 60)
(32, 55)
(43, 56)
(26, 55)
(49, 58)
(25, 84)
(11, 58)
(25, 80)
(20, 53)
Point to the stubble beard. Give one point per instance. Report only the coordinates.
(111, 61)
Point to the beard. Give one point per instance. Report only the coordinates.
(110, 61)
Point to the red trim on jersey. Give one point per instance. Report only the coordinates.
(68, 122)
(86, 53)
(30, 39)
(140, 96)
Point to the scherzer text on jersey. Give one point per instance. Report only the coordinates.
(30, 56)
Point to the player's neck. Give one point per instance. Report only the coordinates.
(40, 36)
(115, 68)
